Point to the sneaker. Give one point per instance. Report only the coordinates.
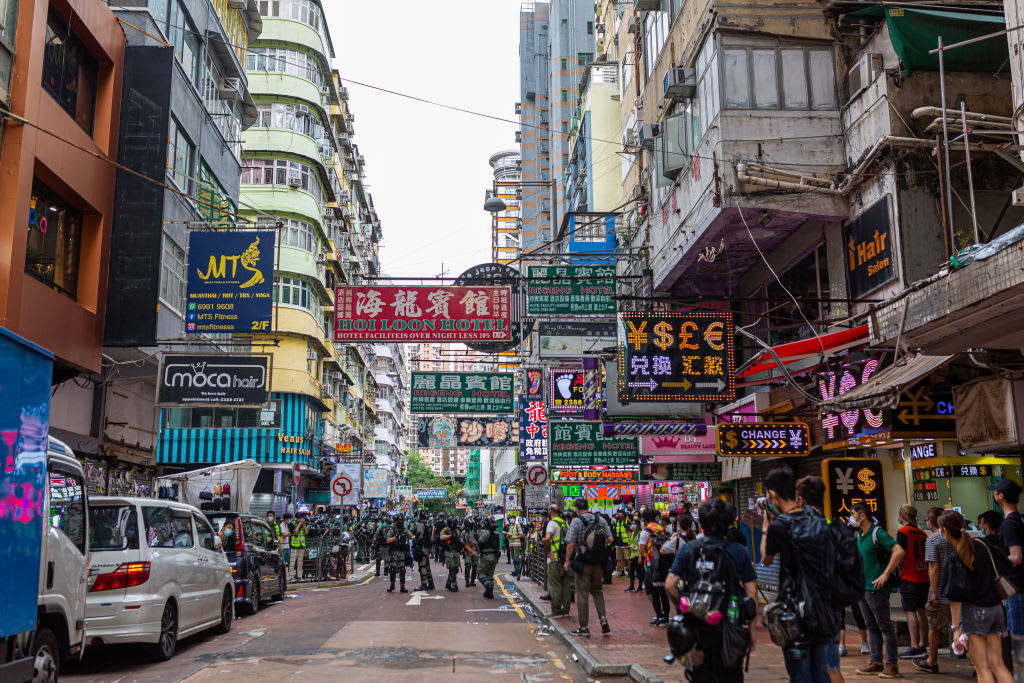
(546, 596)
(913, 653)
(584, 632)
(842, 651)
(656, 621)
(865, 649)
(890, 671)
(630, 590)
(605, 628)
(872, 669)
(923, 665)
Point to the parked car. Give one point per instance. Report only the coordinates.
(158, 574)
(256, 562)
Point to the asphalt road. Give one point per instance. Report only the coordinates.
(359, 632)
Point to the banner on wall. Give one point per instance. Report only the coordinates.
(230, 282)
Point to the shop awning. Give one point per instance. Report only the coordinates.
(823, 345)
(913, 32)
(883, 389)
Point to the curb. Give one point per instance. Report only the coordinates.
(352, 580)
(587, 661)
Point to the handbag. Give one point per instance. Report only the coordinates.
(1004, 586)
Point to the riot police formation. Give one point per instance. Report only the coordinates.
(422, 546)
(471, 550)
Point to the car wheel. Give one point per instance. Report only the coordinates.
(168, 643)
(254, 604)
(282, 581)
(227, 612)
(46, 657)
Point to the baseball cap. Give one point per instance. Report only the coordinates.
(1007, 487)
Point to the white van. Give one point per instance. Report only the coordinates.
(158, 574)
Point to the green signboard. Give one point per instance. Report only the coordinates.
(463, 392)
(559, 290)
(473, 474)
(583, 444)
(686, 471)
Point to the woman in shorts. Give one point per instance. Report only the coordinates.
(969, 583)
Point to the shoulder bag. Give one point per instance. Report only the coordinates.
(1004, 586)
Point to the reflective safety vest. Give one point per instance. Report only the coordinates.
(633, 537)
(556, 541)
(276, 527)
(622, 530)
(653, 529)
(298, 539)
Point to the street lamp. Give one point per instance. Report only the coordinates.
(494, 205)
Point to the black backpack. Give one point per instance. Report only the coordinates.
(815, 554)
(660, 565)
(594, 542)
(848, 587)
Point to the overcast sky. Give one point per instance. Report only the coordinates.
(427, 166)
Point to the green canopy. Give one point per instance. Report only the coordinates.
(914, 32)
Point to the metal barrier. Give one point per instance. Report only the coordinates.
(317, 564)
(534, 561)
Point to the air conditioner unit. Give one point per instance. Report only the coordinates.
(294, 182)
(325, 90)
(362, 160)
(863, 73)
(344, 93)
(237, 4)
(681, 83)
(344, 197)
(646, 5)
(230, 88)
(645, 177)
(634, 25)
(311, 355)
(649, 131)
(321, 258)
(639, 192)
(629, 139)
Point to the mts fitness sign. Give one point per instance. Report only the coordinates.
(196, 379)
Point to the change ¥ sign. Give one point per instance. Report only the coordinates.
(762, 440)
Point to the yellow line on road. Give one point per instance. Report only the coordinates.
(509, 597)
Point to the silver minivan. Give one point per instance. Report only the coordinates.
(157, 574)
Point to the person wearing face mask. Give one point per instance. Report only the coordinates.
(881, 556)
(636, 569)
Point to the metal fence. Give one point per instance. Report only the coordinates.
(317, 560)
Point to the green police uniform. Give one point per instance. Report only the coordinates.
(559, 585)
(452, 553)
(397, 552)
(471, 547)
(421, 553)
(489, 541)
(378, 545)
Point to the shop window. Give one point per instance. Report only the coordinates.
(69, 72)
(54, 240)
(172, 279)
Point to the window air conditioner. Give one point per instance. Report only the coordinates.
(311, 355)
(325, 90)
(321, 258)
(230, 88)
(863, 73)
(648, 132)
(646, 5)
(344, 197)
(294, 182)
(681, 83)
(634, 25)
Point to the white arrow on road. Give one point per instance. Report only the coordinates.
(418, 597)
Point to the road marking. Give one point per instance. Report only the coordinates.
(418, 597)
(509, 598)
(558, 662)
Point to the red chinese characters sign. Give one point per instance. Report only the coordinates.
(422, 314)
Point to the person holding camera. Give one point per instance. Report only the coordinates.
(800, 537)
(717, 581)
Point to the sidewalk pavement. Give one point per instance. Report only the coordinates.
(636, 649)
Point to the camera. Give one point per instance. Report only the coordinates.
(762, 503)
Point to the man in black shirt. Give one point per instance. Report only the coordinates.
(1006, 493)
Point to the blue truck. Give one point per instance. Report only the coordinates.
(44, 524)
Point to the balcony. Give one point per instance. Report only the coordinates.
(979, 306)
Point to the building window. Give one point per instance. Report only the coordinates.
(565, 95)
(779, 78)
(565, 64)
(299, 234)
(214, 203)
(69, 72)
(185, 40)
(293, 291)
(219, 418)
(287, 61)
(54, 240)
(172, 276)
(584, 58)
(282, 172)
(655, 34)
(180, 155)
(590, 28)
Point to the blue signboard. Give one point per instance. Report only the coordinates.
(230, 284)
(431, 493)
(26, 372)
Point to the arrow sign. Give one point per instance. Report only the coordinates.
(717, 385)
(419, 597)
(649, 384)
(761, 440)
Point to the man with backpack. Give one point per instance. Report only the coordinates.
(881, 556)
(801, 537)
(716, 576)
(621, 543)
(657, 565)
(587, 554)
(914, 581)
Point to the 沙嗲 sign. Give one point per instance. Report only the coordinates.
(462, 392)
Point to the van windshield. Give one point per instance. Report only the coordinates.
(113, 527)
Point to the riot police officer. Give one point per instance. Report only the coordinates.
(378, 544)
(490, 550)
(396, 543)
(422, 532)
(472, 552)
(452, 547)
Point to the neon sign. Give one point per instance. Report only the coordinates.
(849, 423)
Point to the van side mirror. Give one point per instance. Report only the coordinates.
(217, 545)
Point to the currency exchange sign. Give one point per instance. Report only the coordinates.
(763, 440)
(559, 290)
(676, 357)
(230, 283)
(583, 444)
(849, 481)
(463, 392)
(422, 314)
